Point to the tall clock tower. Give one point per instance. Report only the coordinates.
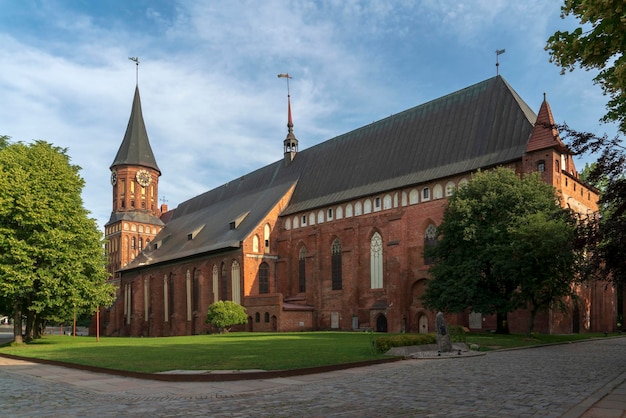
(135, 219)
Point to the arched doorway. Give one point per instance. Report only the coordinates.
(381, 323)
(422, 324)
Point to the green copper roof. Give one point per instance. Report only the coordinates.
(135, 148)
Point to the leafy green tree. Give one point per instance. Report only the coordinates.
(606, 231)
(493, 242)
(599, 43)
(545, 260)
(52, 260)
(223, 314)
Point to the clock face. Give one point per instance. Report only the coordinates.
(143, 178)
(113, 178)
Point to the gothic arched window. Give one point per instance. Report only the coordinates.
(302, 270)
(264, 278)
(336, 265)
(376, 261)
(430, 239)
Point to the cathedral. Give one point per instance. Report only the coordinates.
(331, 237)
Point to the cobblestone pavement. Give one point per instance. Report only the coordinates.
(545, 382)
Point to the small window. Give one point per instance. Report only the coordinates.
(425, 193)
(541, 166)
(267, 317)
(330, 214)
(303, 220)
(257, 317)
(450, 186)
(377, 202)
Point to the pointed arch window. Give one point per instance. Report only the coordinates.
(235, 272)
(264, 278)
(430, 239)
(171, 294)
(255, 244)
(166, 299)
(196, 289)
(336, 265)
(216, 276)
(302, 270)
(376, 261)
(188, 294)
(224, 283)
(266, 237)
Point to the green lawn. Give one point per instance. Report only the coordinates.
(238, 351)
(235, 351)
(488, 341)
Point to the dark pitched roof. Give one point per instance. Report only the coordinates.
(135, 148)
(219, 219)
(480, 126)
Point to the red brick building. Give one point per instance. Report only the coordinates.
(331, 237)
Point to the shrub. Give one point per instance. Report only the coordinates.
(457, 334)
(223, 314)
(383, 344)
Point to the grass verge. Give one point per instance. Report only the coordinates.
(240, 351)
(236, 351)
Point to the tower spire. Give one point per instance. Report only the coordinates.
(290, 143)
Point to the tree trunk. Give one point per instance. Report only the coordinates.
(502, 326)
(38, 327)
(17, 322)
(531, 326)
(30, 325)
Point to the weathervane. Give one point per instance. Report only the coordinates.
(498, 53)
(136, 60)
(287, 76)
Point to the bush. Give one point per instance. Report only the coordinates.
(457, 334)
(383, 344)
(223, 314)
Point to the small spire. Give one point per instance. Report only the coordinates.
(290, 142)
(136, 60)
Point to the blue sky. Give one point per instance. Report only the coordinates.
(213, 106)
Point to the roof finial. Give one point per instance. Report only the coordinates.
(498, 53)
(289, 121)
(136, 60)
(544, 96)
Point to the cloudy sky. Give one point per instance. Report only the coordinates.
(213, 106)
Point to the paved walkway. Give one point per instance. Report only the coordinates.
(583, 379)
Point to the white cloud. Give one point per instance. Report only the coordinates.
(212, 103)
